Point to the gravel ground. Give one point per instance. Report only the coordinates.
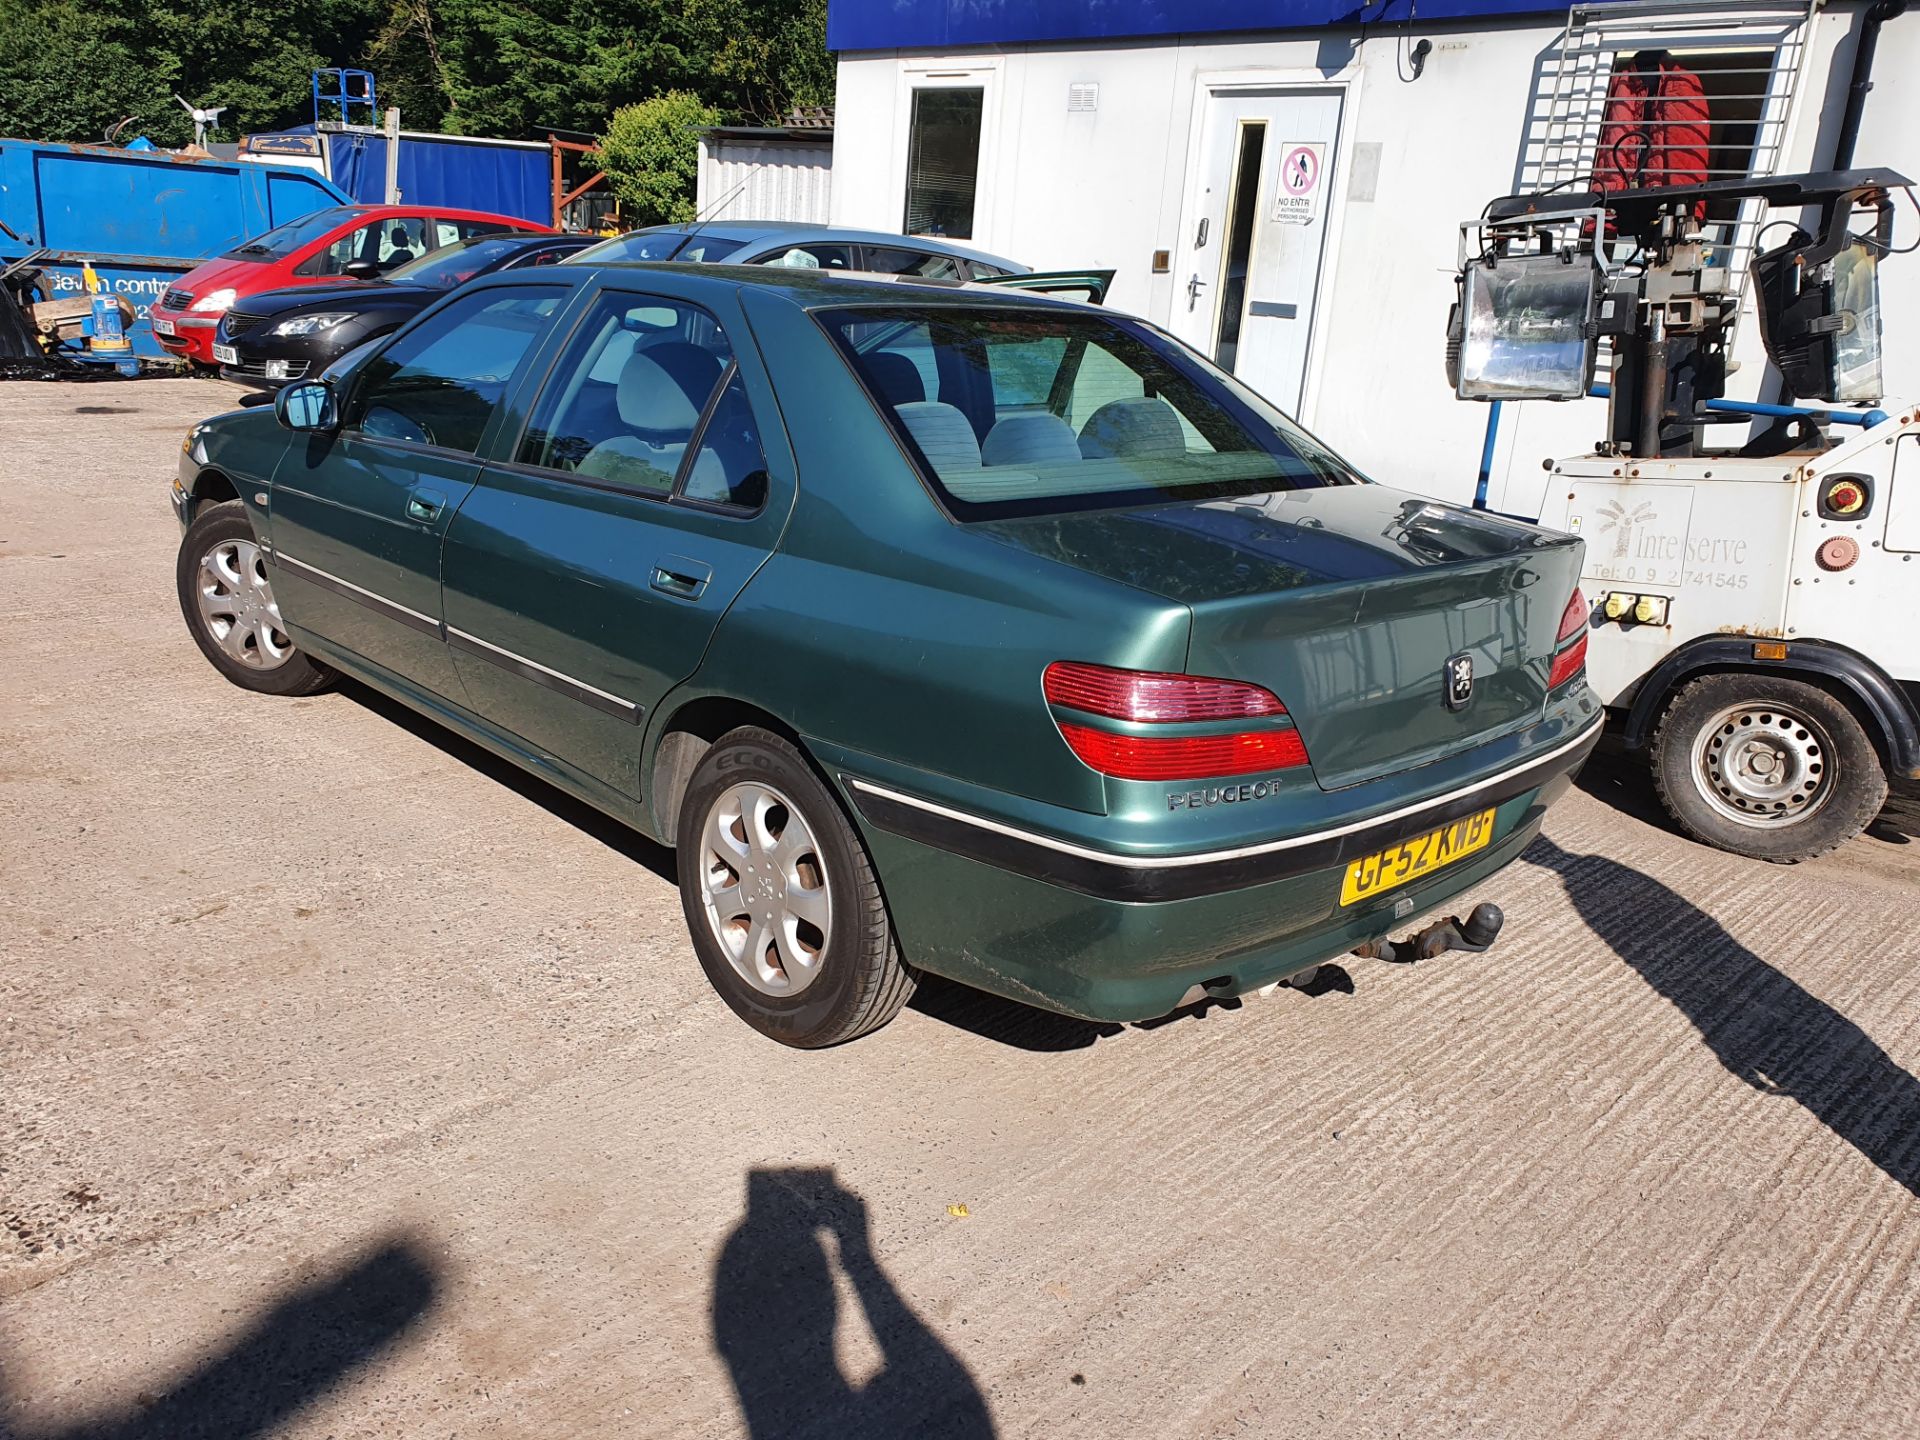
(352, 1084)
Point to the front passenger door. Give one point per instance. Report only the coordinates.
(357, 517)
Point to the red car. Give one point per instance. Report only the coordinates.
(358, 242)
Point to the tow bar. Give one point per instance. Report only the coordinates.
(1479, 930)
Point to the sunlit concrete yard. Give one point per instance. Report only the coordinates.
(352, 1083)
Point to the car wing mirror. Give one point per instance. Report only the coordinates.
(307, 407)
(360, 270)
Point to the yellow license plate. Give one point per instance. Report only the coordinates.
(1398, 864)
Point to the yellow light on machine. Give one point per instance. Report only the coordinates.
(1624, 606)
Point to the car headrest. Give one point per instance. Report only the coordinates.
(942, 433)
(1147, 426)
(662, 389)
(1029, 440)
(895, 376)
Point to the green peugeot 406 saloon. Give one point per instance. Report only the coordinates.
(937, 628)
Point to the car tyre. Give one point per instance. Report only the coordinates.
(1767, 767)
(781, 898)
(227, 601)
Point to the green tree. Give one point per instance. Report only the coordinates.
(766, 56)
(69, 72)
(508, 68)
(650, 154)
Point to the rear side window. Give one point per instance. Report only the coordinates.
(467, 229)
(647, 396)
(439, 382)
(894, 260)
(813, 255)
(1025, 411)
(657, 245)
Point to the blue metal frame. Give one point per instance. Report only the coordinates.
(341, 96)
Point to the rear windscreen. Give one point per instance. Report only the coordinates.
(1022, 412)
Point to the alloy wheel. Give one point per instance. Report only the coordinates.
(764, 887)
(237, 605)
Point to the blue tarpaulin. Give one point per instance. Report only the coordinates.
(469, 174)
(939, 24)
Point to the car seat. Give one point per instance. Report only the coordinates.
(659, 397)
(943, 435)
(399, 247)
(894, 376)
(1029, 439)
(1144, 427)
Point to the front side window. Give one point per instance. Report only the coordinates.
(1038, 413)
(439, 382)
(943, 161)
(398, 241)
(627, 400)
(386, 243)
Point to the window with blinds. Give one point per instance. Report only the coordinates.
(943, 161)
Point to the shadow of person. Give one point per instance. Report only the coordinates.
(1763, 1027)
(290, 1356)
(774, 1313)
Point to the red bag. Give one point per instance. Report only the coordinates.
(1654, 130)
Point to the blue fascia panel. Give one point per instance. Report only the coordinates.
(952, 24)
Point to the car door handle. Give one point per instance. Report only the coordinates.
(680, 577)
(425, 506)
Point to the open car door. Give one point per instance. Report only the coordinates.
(1086, 285)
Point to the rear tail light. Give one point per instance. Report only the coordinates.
(1153, 696)
(1569, 659)
(1156, 698)
(1187, 757)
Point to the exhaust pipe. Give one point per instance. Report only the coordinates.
(1474, 934)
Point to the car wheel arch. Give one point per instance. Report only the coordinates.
(685, 737)
(211, 487)
(1849, 678)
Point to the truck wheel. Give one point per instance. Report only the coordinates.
(781, 899)
(1765, 766)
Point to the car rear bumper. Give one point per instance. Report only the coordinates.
(1110, 936)
(1107, 875)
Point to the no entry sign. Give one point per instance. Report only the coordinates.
(1303, 164)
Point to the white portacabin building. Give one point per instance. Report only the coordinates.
(1283, 187)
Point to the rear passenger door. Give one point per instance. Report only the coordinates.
(587, 569)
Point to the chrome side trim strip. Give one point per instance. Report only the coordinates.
(544, 675)
(393, 608)
(1208, 857)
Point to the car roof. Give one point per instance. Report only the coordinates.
(811, 289)
(448, 212)
(748, 231)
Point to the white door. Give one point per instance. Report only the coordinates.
(1249, 261)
